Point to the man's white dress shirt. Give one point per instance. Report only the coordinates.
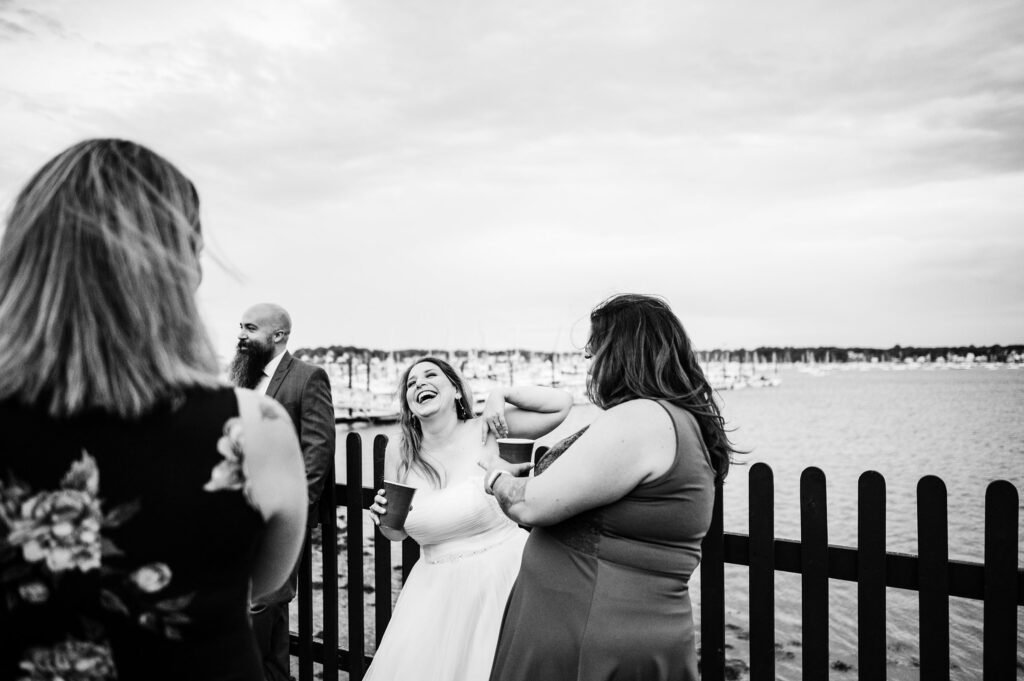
(268, 373)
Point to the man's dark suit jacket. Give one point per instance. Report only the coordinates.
(305, 393)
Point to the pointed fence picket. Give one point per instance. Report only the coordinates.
(761, 519)
(871, 575)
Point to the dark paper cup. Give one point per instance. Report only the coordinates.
(399, 498)
(515, 449)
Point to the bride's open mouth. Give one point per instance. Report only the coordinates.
(425, 395)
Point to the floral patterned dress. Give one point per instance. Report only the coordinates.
(126, 546)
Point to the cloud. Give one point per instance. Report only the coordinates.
(10, 28)
(377, 163)
(18, 22)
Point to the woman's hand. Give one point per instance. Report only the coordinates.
(511, 492)
(493, 417)
(379, 507)
(492, 462)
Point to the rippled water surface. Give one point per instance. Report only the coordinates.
(966, 427)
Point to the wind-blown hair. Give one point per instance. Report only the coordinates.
(411, 456)
(98, 270)
(641, 351)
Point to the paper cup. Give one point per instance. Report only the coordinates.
(399, 498)
(515, 449)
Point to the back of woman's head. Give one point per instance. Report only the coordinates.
(98, 270)
(641, 351)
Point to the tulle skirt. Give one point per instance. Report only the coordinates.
(446, 621)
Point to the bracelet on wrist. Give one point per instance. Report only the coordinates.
(492, 478)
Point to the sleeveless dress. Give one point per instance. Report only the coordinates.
(445, 623)
(126, 545)
(603, 595)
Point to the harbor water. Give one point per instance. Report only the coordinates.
(966, 427)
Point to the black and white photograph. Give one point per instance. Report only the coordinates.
(469, 341)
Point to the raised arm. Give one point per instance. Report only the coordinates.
(277, 487)
(625, 446)
(524, 411)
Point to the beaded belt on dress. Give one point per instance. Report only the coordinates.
(458, 555)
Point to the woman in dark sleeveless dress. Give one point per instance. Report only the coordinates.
(139, 498)
(618, 513)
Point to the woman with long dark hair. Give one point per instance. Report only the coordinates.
(618, 512)
(141, 501)
(445, 623)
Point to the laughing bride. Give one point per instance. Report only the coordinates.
(445, 624)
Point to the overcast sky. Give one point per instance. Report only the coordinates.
(480, 174)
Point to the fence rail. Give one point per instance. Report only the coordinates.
(998, 582)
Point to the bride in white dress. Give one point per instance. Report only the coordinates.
(445, 624)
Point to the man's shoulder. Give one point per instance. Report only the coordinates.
(303, 369)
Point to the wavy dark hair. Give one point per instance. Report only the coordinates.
(410, 449)
(641, 351)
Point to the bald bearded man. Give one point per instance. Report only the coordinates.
(263, 364)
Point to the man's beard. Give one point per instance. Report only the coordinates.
(247, 366)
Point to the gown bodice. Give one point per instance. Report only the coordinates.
(445, 623)
(456, 520)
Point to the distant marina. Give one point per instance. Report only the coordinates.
(364, 382)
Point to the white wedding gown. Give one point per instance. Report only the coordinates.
(445, 624)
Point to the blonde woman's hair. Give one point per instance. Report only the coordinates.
(98, 270)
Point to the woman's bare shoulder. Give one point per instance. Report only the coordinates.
(635, 415)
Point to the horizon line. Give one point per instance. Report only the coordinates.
(1016, 347)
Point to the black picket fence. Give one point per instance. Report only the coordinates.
(998, 582)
